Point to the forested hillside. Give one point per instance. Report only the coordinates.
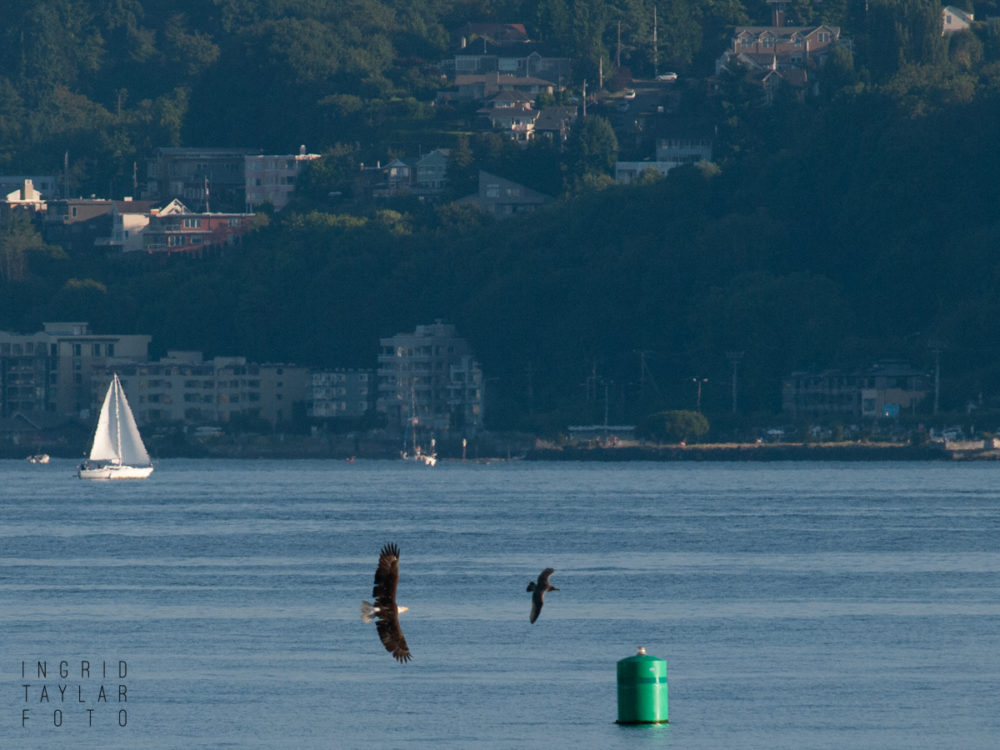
(857, 225)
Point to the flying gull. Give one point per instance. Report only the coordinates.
(538, 589)
(384, 610)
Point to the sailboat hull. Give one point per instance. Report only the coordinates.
(115, 472)
(117, 451)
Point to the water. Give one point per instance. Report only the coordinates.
(798, 605)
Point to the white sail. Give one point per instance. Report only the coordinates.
(118, 451)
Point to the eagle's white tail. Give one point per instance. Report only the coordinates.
(368, 611)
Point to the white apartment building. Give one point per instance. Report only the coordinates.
(49, 371)
(343, 394)
(185, 388)
(432, 377)
(272, 178)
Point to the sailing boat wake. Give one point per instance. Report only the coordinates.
(118, 451)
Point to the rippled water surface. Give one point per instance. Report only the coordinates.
(798, 605)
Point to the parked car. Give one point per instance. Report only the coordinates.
(667, 77)
(630, 94)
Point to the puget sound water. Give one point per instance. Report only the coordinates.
(217, 605)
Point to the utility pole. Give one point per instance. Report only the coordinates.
(734, 359)
(644, 374)
(531, 388)
(618, 54)
(936, 348)
(656, 70)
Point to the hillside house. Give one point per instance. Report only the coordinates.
(766, 50)
(503, 198)
(272, 178)
(47, 185)
(477, 88)
(954, 20)
(672, 151)
(205, 178)
(176, 229)
(25, 197)
(503, 48)
(426, 175)
(555, 122)
(76, 224)
(129, 219)
(432, 171)
(511, 112)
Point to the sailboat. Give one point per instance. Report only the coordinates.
(418, 455)
(117, 452)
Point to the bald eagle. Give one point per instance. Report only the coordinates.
(384, 609)
(538, 589)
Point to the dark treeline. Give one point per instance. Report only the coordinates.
(855, 226)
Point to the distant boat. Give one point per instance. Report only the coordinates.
(410, 434)
(418, 455)
(117, 452)
(39, 458)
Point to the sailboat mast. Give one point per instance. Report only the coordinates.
(118, 419)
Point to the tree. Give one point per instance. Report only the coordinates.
(678, 426)
(18, 238)
(904, 32)
(461, 169)
(592, 147)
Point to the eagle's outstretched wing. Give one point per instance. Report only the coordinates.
(387, 614)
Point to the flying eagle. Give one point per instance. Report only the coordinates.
(384, 609)
(538, 589)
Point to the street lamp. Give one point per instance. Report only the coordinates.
(699, 382)
(734, 359)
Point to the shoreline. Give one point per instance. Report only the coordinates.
(538, 450)
(765, 452)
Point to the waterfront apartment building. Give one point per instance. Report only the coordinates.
(886, 389)
(430, 377)
(49, 371)
(341, 394)
(185, 388)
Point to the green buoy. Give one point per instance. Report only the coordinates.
(642, 689)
